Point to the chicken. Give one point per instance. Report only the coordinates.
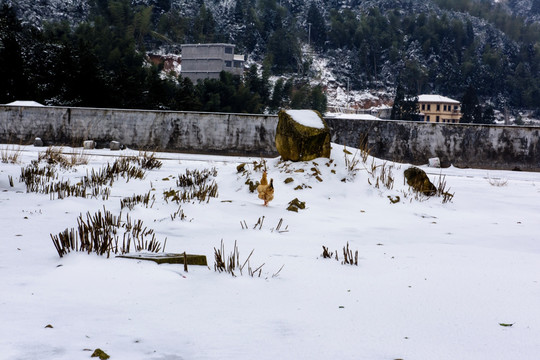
(264, 180)
(266, 191)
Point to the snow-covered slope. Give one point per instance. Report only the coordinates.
(434, 280)
(36, 12)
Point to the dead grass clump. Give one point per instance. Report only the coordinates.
(130, 202)
(348, 257)
(10, 155)
(105, 233)
(243, 170)
(96, 183)
(54, 156)
(195, 184)
(351, 163)
(442, 190)
(148, 161)
(122, 167)
(78, 157)
(231, 264)
(497, 182)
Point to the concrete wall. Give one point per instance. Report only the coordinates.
(210, 133)
(496, 147)
(461, 145)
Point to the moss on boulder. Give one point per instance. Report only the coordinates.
(419, 181)
(299, 142)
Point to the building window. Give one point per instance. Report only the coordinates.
(237, 64)
(455, 107)
(228, 50)
(437, 119)
(429, 107)
(423, 106)
(444, 108)
(428, 117)
(438, 107)
(228, 63)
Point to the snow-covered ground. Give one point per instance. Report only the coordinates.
(434, 280)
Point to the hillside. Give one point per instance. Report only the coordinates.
(366, 47)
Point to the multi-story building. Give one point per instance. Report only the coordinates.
(439, 109)
(207, 61)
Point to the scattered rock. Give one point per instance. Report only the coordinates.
(299, 142)
(38, 142)
(434, 162)
(100, 354)
(288, 180)
(89, 144)
(114, 145)
(49, 326)
(394, 200)
(419, 181)
(296, 204)
(240, 168)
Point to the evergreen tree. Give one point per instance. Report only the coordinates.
(204, 26)
(283, 52)
(488, 117)
(318, 99)
(185, 98)
(278, 95)
(470, 107)
(318, 27)
(405, 105)
(13, 80)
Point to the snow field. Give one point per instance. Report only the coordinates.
(433, 281)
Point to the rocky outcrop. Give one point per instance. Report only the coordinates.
(302, 135)
(419, 181)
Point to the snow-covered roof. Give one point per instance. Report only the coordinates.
(308, 118)
(352, 116)
(24, 103)
(436, 99)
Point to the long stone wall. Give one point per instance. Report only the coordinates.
(462, 145)
(212, 133)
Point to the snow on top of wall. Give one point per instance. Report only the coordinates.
(436, 98)
(24, 103)
(307, 118)
(352, 116)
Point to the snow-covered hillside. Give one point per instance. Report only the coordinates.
(434, 279)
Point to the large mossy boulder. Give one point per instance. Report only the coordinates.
(419, 181)
(302, 135)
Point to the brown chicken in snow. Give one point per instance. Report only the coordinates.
(266, 190)
(264, 180)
